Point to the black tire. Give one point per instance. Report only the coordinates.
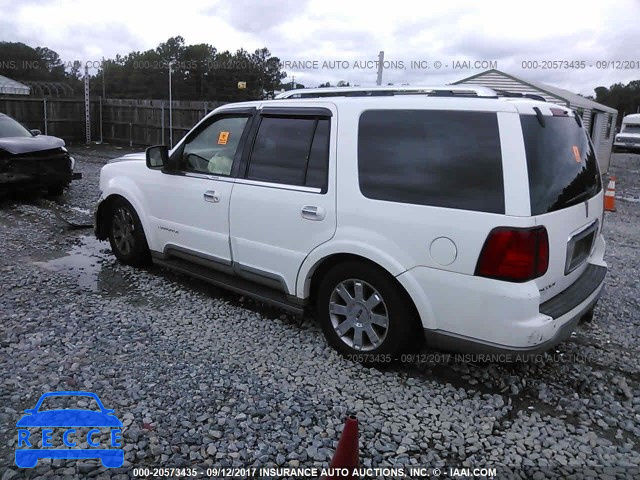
(394, 302)
(587, 316)
(56, 191)
(126, 234)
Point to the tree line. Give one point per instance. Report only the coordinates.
(198, 72)
(23, 63)
(624, 98)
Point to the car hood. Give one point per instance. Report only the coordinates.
(17, 145)
(130, 157)
(69, 418)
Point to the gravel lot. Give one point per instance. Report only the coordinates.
(201, 377)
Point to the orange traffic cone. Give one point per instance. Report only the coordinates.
(610, 195)
(347, 456)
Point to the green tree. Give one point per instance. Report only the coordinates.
(624, 98)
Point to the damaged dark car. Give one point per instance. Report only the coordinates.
(32, 162)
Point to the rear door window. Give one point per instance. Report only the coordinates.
(291, 151)
(432, 157)
(562, 166)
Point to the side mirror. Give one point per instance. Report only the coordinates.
(35, 132)
(157, 156)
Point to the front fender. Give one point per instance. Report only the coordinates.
(125, 187)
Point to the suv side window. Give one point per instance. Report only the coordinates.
(212, 150)
(440, 158)
(291, 151)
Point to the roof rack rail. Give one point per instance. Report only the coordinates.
(440, 91)
(532, 96)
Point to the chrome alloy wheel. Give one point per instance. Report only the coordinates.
(358, 315)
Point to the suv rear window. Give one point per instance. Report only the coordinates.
(439, 158)
(563, 170)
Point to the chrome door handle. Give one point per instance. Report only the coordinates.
(311, 212)
(211, 196)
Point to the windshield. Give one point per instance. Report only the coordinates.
(64, 402)
(10, 128)
(630, 129)
(563, 170)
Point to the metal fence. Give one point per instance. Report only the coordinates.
(135, 122)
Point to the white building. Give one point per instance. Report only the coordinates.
(598, 119)
(11, 87)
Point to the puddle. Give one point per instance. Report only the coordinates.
(90, 263)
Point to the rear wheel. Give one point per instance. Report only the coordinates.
(126, 235)
(363, 312)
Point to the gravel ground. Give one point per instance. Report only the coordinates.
(201, 377)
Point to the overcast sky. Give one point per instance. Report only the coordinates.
(342, 31)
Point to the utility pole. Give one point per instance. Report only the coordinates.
(87, 105)
(380, 63)
(170, 110)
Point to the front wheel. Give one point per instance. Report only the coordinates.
(363, 312)
(126, 235)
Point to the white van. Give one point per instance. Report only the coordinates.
(629, 136)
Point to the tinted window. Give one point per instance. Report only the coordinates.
(292, 151)
(562, 166)
(212, 149)
(319, 157)
(439, 158)
(10, 128)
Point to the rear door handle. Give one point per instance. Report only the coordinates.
(311, 212)
(211, 196)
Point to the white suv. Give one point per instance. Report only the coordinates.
(450, 213)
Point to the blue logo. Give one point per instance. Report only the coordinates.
(53, 445)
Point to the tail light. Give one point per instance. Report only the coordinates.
(514, 254)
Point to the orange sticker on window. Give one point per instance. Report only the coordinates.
(224, 136)
(576, 153)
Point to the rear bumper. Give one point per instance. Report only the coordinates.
(466, 313)
(563, 312)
